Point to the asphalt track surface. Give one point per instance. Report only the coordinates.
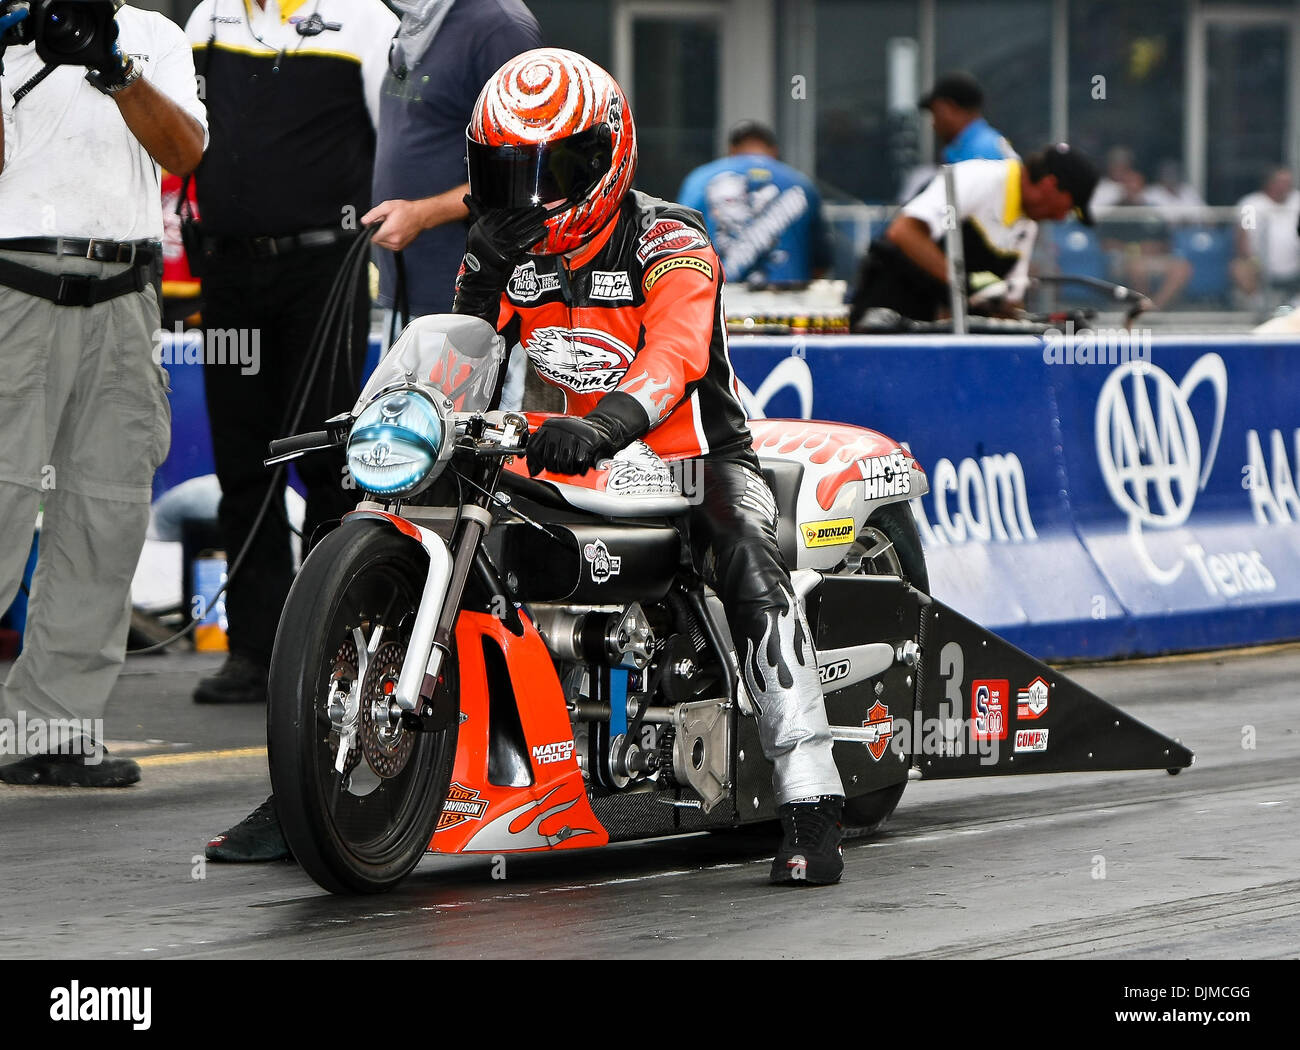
(1202, 865)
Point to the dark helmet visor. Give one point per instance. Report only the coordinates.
(522, 176)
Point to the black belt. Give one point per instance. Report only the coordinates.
(263, 247)
(73, 289)
(95, 250)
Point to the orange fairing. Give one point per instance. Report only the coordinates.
(399, 523)
(550, 813)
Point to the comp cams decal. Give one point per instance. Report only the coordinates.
(827, 533)
(669, 235)
(686, 262)
(1031, 739)
(585, 360)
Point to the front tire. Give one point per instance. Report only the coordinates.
(363, 830)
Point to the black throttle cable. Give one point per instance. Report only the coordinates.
(331, 335)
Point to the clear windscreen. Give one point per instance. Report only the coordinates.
(457, 355)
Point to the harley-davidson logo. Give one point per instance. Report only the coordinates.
(462, 804)
(878, 720)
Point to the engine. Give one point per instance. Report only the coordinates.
(636, 679)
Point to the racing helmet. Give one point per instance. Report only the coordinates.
(553, 128)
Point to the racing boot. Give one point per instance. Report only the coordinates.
(810, 852)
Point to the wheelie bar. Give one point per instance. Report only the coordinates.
(970, 703)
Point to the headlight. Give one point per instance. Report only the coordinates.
(398, 444)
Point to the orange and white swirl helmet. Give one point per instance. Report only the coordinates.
(553, 128)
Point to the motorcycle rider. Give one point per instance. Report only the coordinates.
(616, 298)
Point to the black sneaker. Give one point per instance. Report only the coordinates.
(810, 852)
(67, 770)
(241, 680)
(255, 838)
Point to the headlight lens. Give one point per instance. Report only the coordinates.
(395, 444)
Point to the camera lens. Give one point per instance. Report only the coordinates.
(69, 29)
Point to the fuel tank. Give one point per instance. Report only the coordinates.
(596, 563)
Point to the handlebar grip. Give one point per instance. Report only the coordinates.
(300, 442)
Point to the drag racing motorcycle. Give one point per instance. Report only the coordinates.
(479, 661)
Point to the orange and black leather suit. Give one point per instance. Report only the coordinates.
(638, 312)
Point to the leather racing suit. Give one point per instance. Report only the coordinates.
(639, 310)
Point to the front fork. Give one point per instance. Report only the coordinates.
(440, 598)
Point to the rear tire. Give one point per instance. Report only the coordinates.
(359, 832)
(890, 544)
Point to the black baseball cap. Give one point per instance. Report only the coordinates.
(1075, 174)
(751, 129)
(958, 87)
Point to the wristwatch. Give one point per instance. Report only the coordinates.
(130, 74)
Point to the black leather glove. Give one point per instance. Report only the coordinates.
(574, 444)
(496, 243)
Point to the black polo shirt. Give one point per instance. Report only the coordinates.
(292, 114)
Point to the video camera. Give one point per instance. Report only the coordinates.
(66, 32)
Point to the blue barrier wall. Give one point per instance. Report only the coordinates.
(1082, 510)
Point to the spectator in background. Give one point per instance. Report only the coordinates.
(1169, 189)
(1268, 250)
(763, 216)
(293, 117)
(443, 54)
(906, 270)
(1122, 183)
(956, 104)
(1139, 246)
(86, 419)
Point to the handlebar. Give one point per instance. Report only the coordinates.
(282, 449)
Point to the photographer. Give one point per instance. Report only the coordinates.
(84, 418)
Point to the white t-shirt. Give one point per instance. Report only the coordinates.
(72, 167)
(1160, 196)
(1270, 230)
(988, 207)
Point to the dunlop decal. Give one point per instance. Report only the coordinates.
(828, 533)
(688, 262)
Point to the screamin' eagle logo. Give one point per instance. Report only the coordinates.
(585, 360)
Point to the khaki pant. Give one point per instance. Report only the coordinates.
(84, 422)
